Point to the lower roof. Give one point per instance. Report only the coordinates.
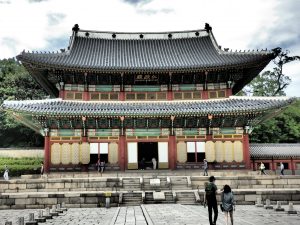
(234, 105)
(275, 151)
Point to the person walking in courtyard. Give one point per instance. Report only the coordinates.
(5, 175)
(227, 200)
(205, 167)
(98, 165)
(154, 162)
(42, 169)
(281, 169)
(102, 166)
(211, 200)
(262, 169)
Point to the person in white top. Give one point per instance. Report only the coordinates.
(154, 162)
(5, 175)
(262, 169)
(281, 168)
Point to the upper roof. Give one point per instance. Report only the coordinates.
(146, 52)
(274, 150)
(226, 106)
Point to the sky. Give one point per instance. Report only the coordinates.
(45, 25)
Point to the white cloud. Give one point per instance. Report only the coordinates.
(236, 24)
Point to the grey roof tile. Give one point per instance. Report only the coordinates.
(234, 104)
(155, 52)
(272, 150)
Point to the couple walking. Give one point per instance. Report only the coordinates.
(227, 199)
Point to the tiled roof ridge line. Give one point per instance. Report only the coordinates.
(146, 34)
(221, 51)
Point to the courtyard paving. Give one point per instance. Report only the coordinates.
(159, 214)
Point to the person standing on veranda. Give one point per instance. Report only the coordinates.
(154, 162)
(205, 167)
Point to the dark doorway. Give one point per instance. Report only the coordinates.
(93, 158)
(148, 151)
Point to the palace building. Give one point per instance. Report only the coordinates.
(124, 97)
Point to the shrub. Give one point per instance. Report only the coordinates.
(20, 166)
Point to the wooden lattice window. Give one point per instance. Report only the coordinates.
(153, 123)
(65, 123)
(53, 123)
(141, 123)
(165, 122)
(141, 96)
(114, 96)
(94, 96)
(91, 123)
(161, 96)
(191, 122)
(103, 122)
(129, 123)
(115, 123)
(78, 96)
(178, 122)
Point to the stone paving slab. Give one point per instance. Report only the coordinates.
(158, 214)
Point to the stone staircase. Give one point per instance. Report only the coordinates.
(149, 198)
(164, 185)
(131, 184)
(132, 198)
(169, 197)
(186, 198)
(180, 183)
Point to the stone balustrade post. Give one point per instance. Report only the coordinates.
(21, 221)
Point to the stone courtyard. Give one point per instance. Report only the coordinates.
(158, 214)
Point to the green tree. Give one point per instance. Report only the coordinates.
(272, 83)
(17, 84)
(285, 127)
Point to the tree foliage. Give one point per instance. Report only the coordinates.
(285, 127)
(16, 84)
(272, 83)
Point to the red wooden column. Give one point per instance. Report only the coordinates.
(47, 154)
(228, 92)
(121, 96)
(204, 94)
(62, 94)
(86, 96)
(121, 155)
(246, 150)
(172, 152)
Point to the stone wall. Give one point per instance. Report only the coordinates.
(21, 152)
(248, 182)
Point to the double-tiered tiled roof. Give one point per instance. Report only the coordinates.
(232, 105)
(274, 150)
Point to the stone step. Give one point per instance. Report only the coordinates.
(186, 198)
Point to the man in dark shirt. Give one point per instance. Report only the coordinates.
(210, 199)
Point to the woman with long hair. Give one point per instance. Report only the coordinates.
(227, 199)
